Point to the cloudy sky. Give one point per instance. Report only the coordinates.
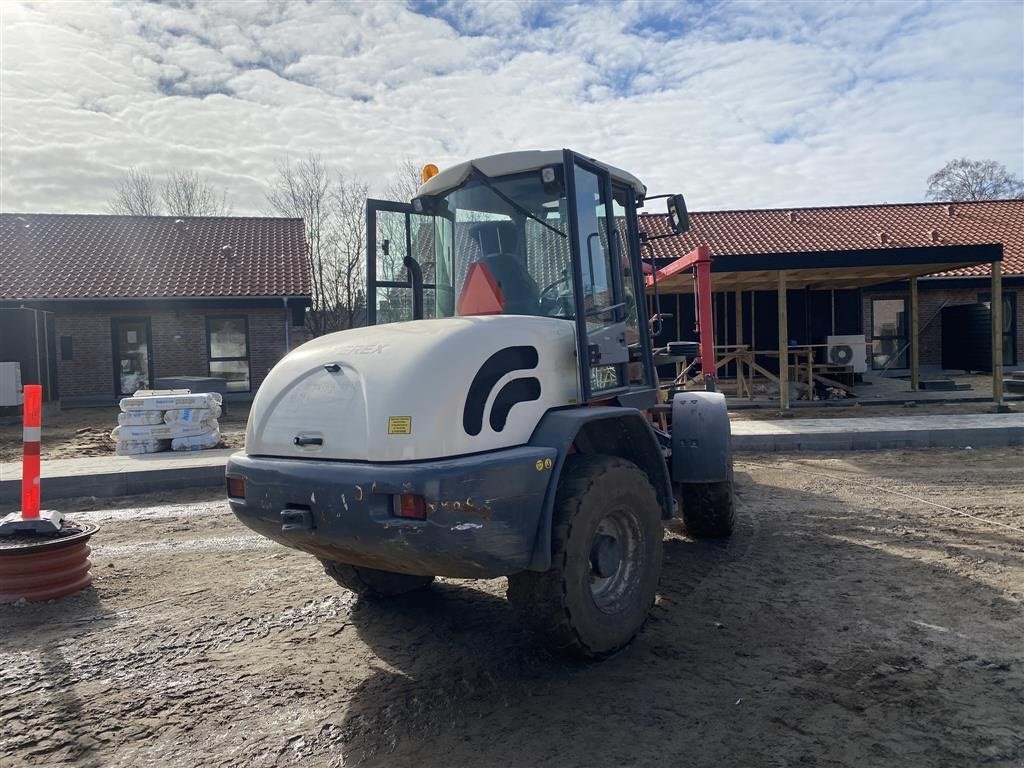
(736, 104)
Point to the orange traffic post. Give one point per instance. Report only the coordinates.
(30, 519)
(30, 457)
(43, 555)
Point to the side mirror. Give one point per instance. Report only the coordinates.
(677, 215)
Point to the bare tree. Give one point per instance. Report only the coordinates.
(965, 179)
(333, 205)
(350, 209)
(405, 181)
(135, 195)
(303, 190)
(186, 193)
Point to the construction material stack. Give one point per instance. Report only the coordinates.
(177, 420)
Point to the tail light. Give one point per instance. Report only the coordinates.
(236, 487)
(410, 506)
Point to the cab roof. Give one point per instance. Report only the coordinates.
(509, 163)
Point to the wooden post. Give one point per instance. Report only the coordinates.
(753, 344)
(810, 374)
(740, 380)
(997, 333)
(783, 345)
(915, 358)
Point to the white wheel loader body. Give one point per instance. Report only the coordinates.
(505, 383)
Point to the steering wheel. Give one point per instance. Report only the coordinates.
(554, 303)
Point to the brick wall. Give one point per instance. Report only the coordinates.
(178, 344)
(90, 372)
(931, 301)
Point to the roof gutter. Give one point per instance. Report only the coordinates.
(262, 297)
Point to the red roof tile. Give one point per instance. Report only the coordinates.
(850, 228)
(59, 256)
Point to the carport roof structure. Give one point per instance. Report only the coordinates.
(844, 247)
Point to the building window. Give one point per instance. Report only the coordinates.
(889, 340)
(228, 351)
(1009, 324)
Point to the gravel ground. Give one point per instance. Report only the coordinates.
(840, 626)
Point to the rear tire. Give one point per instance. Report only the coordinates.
(605, 560)
(709, 509)
(369, 582)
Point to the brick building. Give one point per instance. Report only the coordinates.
(863, 254)
(111, 303)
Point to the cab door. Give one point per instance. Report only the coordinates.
(399, 263)
(600, 303)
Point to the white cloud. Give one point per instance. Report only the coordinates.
(736, 104)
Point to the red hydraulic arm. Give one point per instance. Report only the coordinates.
(699, 260)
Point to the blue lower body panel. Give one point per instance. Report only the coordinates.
(483, 511)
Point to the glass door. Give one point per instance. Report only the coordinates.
(889, 339)
(133, 355)
(400, 268)
(600, 306)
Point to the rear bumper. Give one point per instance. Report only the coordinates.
(483, 510)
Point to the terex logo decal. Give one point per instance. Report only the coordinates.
(361, 349)
(520, 390)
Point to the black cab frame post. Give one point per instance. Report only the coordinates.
(617, 305)
(632, 243)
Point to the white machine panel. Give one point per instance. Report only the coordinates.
(10, 384)
(425, 389)
(848, 350)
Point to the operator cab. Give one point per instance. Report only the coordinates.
(543, 233)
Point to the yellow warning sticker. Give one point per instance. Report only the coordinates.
(399, 425)
(539, 465)
(547, 463)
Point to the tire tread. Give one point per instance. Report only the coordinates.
(541, 598)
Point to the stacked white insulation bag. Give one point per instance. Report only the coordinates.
(178, 421)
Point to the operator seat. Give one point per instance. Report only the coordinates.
(498, 242)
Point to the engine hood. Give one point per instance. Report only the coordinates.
(425, 389)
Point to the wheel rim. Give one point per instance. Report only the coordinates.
(615, 560)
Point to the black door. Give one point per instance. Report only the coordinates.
(399, 264)
(133, 355)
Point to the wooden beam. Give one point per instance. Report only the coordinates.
(997, 333)
(915, 358)
(783, 343)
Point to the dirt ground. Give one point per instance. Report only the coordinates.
(78, 432)
(840, 626)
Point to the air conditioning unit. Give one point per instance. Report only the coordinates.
(10, 384)
(848, 350)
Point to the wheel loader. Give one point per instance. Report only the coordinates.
(495, 417)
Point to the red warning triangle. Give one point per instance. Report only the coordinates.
(481, 294)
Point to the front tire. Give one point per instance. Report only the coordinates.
(369, 582)
(709, 509)
(606, 543)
